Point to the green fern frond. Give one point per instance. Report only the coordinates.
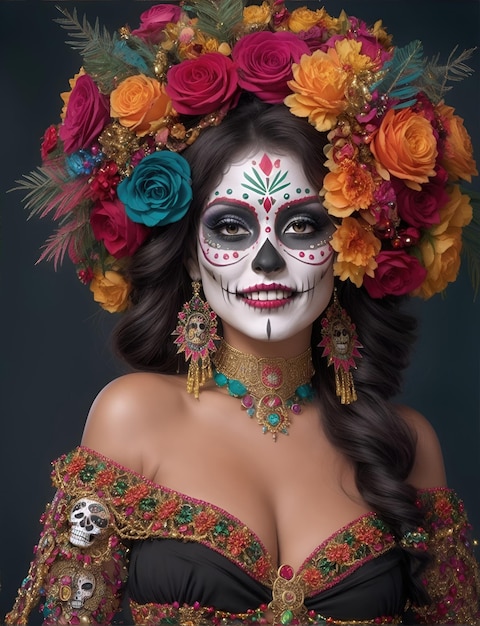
(401, 72)
(105, 57)
(435, 78)
(217, 18)
(471, 243)
(40, 191)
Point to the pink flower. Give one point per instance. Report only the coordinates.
(397, 274)
(203, 85)
(265, 61)
(154, 20)
(88, 112)
(421, 208)
(110, 224)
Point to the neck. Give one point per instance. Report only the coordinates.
(286, 348)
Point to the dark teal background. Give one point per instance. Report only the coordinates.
(54, 344)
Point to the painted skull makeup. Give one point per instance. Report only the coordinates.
(263, 248)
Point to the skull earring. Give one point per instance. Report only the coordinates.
(197, 331)
(340, 345)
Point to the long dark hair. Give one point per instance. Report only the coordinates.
(369, 432)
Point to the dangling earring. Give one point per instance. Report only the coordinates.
(197, 331)
(340, 344)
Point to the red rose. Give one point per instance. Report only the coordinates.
(154, 20)
(110, 224)
(88, 112)
(397, 274)
(203, 85)
(49, 142)
(422, 208)
(265, 61)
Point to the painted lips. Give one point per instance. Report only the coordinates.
(267, 296)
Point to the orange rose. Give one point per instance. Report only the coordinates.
(303, 19)
(140, 104)
(357, 248)
(110, 290)
(349, 188)
(458, 156)
(442, 246)
(257, 15)
(406, 146)
(319, 84)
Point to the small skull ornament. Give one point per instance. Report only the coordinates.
(88, 519)
(84, 588)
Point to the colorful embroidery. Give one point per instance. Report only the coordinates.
(452, 579)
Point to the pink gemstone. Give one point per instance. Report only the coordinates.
(272, 401)
(296, 408)
(286, 572)
(247, 401)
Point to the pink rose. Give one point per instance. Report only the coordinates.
(88, 112)
(265, 61)
(110, 224)
(397, 274)
(203, 85)
(422, 208)
(154, 20)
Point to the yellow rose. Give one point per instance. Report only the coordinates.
(257, 15)
(348, 51)
(303, 19)
(406, 146)
(456, 212)
(349, 188)
(319, 84)
(441, 257)
(110, 290)
(140, 104)
(458, 156)
(357, 248)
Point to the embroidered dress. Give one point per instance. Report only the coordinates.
(190, 562)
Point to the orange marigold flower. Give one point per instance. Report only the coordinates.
(237, 541)
(357, 248)
(141, 104)
(204, 521)
(319, 84)
(168, 509)
(367, 535)
(76, 465)
(110, 290)
(135, 494)
(312, 577)
(339, 553)
(105, 477)
(406, 146)
(458, 155)
(261, 567)
(349, 188)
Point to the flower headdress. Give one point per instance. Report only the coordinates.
(112, 167)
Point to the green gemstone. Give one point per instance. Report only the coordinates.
(236, 388)
(286, 617)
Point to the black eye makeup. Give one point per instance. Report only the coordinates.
(230, 227)
(305, 225)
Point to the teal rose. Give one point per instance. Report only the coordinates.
(158, 191)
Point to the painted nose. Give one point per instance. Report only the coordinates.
(268, 259)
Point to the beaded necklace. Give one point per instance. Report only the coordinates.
(269, 388)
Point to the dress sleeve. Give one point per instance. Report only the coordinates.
(452, 577)
(79, 565)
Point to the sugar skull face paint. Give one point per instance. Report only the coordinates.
(263, 248)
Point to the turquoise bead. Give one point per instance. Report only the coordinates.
(235, 388)
(273, 419)
(220, 379)
(305, 392)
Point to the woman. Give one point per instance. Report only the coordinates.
(174, 495)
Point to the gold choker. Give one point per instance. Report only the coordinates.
(269, 388)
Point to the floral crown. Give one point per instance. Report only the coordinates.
(112, 167)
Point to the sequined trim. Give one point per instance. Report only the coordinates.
(196, 615)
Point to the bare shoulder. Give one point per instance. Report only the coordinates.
(126, 411)
(428, 470)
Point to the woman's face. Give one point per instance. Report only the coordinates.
(263, 249)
